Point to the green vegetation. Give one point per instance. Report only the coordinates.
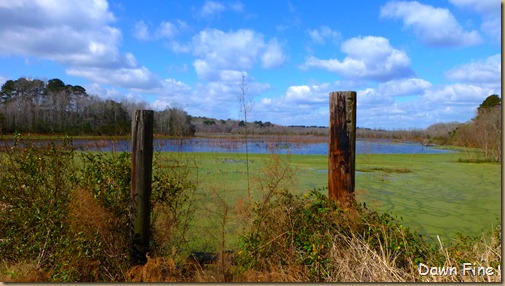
(440, 199)
(64, 217)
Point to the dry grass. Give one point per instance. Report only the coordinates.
(155, 270)
(22, 272)
(485, 253)
(87, 215)
(356, 261)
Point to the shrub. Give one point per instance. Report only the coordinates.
(34, 184)
(299, 235)
(70, 218)
(172, 200)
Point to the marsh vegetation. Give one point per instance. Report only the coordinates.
(64, 217)
(235, 217)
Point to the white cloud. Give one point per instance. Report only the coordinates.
(239, 50)
(3, 80)
(141, 31)
(304, 94)
(490, 7)
(133, 78)
(367, 58)
(89, 48)
(489, 10)
(433, 26)
(459, 94)
(173, 93)
(478, 72)
(436, 104)
(211, 8)
(165, 30)
(370, 98)
(298, 105)
(35, 28)
(322, 33)
(272, 56)
(409, 86)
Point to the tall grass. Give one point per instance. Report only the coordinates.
(64, 218)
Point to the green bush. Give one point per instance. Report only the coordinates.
(299, 233)
(173, 207)
(66, 212)
(34, 184)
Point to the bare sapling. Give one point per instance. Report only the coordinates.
(246, 104)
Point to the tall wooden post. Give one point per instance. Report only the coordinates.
(142, 159)
(342, 148)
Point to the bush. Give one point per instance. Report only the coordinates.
(172, 200)
(299, 236)
(34, 186)
(64, 211)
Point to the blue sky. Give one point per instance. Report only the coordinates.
(412, 63)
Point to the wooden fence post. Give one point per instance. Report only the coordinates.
(342, 148)
(142, 159)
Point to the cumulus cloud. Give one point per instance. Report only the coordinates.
(35, 28)
(272, 55)
(459, 94)
(444, 103)
(367, 58)
(307, 94)
(140, 78)
(173, 93)
(478, 72)
(371, 98)
(400, 87)
(299, 104)
(240, 50)
(89, 47)
(433, 26)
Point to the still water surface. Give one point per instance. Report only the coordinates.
(258, 146)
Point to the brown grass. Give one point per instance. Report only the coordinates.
(22, 272)
(155, 270)
(87, 215)
(89, 222)
(357, 262)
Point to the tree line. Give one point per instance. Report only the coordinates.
(53, 107)
(483, 131)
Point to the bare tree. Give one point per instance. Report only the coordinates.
(246, 104)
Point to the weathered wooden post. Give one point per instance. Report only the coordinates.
(142, 161)
(342, 148)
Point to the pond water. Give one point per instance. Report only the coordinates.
(259, 146)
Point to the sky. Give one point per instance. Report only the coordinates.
(412, 63)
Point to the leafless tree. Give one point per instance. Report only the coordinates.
(246, 103)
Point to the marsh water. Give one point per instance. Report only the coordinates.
(260, 146)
